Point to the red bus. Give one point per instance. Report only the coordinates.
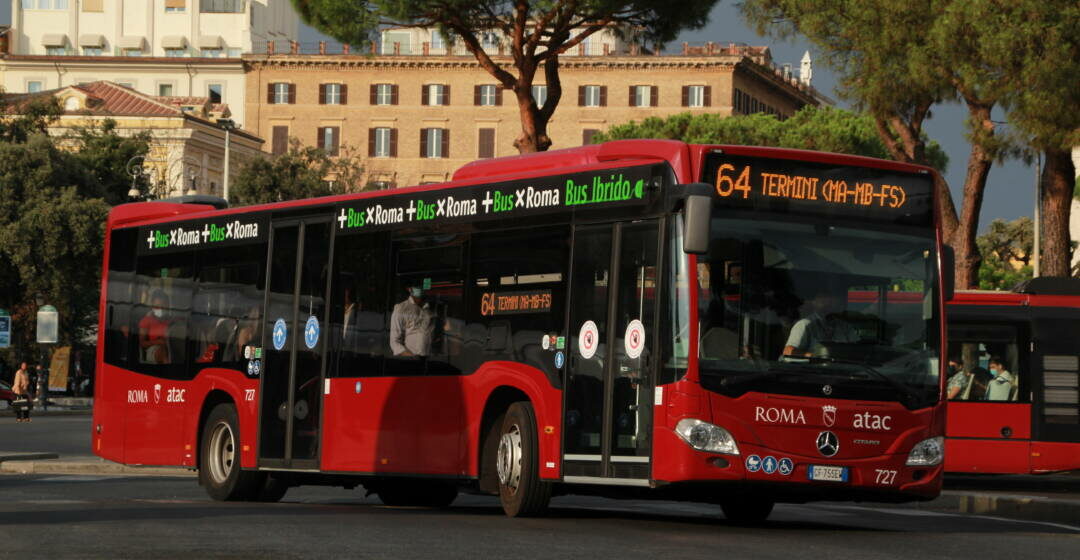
(1014, 390)
(613, 319)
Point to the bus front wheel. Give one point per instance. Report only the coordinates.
(521, 491)
(219, 459)
(747, 511)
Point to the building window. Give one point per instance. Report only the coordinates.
(92, 51)
(384, 94)
(328, 139)
(213, 53)
(487, 96)
(56, 51)
(175, 53)
(129, 85)
(279, 142)
(489, 40)
(643, 96)
(382, 142)
(45, 5)
(539, 94)
(437, 41)
(216, 92)
(33, 86)
(434, 143)
(396, 43)
(587, 136)
(131, 52)
(696, 96)
(332, 94)
(165, 90)
(221, 6)
(592, 96)
(280, 93)
(486, 143)
(175, 6)
(435, 94)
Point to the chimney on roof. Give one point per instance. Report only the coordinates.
(806, 71)
(787, 71)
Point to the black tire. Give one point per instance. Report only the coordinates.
(416, 493)
(521, 491)
(219, 458)
(748, 511)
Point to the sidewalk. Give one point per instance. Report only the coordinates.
(51, 463)
(57, 405)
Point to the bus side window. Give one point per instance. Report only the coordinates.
(118, 340)
(161, 314)
(358, 305)
(986, 363)
(227, 305)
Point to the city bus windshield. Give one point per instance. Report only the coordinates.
(806, 308)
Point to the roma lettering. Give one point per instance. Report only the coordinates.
(774, 415)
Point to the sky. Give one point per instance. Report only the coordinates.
(1009, 189)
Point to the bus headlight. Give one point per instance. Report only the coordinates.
(927, 453)
(704, 436)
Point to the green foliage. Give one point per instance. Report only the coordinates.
(1007, 248)
(301, 172)
(33, 117)
(54, 199)
(824, 129)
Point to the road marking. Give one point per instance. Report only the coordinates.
(54, 502)
(76, 478)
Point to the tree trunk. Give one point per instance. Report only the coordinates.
(1056, 184)
(533, 137)
(978, 168)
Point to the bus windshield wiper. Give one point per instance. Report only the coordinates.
(907, 397)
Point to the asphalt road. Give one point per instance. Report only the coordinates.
(67, 435)
(135, 517)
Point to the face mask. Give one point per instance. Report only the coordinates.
(416, 292)
(993, 373)
(159, 313)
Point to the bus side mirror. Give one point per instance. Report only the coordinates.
(948, 271)
(697, 214)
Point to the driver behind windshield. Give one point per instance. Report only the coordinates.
(821, 323)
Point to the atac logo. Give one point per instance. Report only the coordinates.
(828, 415)
(157, 393)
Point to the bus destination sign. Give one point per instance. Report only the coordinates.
(512, 303)
(820, 189)
(510, 199)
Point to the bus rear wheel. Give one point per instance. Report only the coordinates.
(219, 459)
(747, 511)
(517, 463)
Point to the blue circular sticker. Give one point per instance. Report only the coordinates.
(753, 463)
(281, 333)
(786, 466)
(311, 332)
(560, 359)
(769, 464)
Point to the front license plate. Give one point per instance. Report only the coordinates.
(826, 473)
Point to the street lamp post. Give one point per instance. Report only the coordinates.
(47, 333)
(228, 125)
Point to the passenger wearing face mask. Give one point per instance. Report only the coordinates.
(154, 329)
(1001, 386)
(411, 325)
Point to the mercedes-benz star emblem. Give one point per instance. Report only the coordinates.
(828, 444)
(827, 389)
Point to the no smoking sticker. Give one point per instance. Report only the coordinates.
(588, 340)
(634, 340)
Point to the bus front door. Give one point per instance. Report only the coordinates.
(612, 340)
(294, 344)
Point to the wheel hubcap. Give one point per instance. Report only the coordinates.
(222, 452)
(509, 458)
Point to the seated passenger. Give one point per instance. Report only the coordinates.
(1002, 383)
(958, 380)
(822, 325)
(153, 331)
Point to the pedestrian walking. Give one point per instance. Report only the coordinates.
(42, 387)
(21, 388)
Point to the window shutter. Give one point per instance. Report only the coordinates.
(394, 94)
(374, 93)
(581, 96)
(603, 96)
(371, 142)
(168, 3)
(498, 95)
(269, 93)
(320, 138)
(476, 95)
(423, 142)
(631, 102)
(486, 143)
(344, 94)
(280, 142)
(425, 90)
(292, 94)
(446, 94)
(654, 95)
(322, 94)
(445, 143)
(686, 96)
(708, 96)
(393, 142)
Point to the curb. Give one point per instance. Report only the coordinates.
(27, 456)
(1027, 508)
(55, 466)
